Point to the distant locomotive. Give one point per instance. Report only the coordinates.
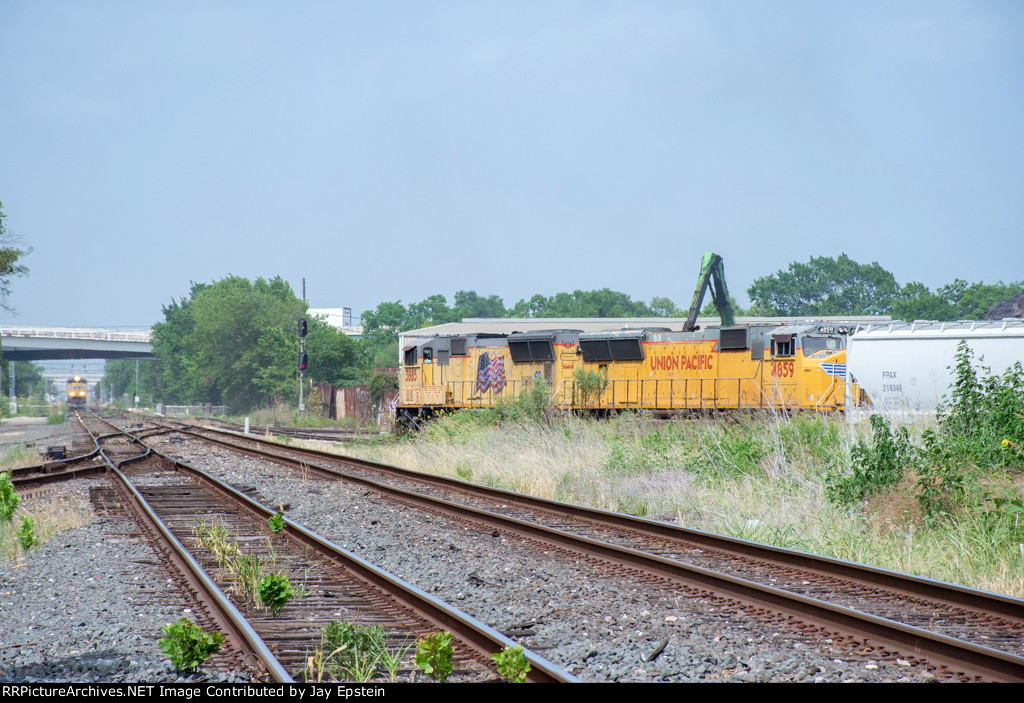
(78, 390)
(755, 366)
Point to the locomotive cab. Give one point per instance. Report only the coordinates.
(799, 355)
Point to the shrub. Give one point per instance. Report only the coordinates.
(380, 384)
(512, 664)
(188, 645)
(588, 387)
(434, 656)
(274, 591)
(8, 498)
(984, 416)
(353, 651)
(874, 467)
(27, 535)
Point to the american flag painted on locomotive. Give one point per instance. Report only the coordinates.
(490, 373)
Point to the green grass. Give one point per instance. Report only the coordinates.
(49, 517)
(15, 457)
(762, 478)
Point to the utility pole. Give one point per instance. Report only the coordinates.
(302, 354)
(303, 361)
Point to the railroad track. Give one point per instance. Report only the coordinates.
(973, 633)
(334, 583)
(326, 434)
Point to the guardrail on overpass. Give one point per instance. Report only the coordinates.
(30, 343)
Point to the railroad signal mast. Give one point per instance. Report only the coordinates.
(303, 362)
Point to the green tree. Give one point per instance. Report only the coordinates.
(179, 378)
(825, 286)
(972, 301)
(592, 303)
(469, 304)
(916, 302)
(664, 307)
(431, 311)
(333, 356)
(955, 301)
(28, 377)
(9, 257)
(234, 341)
(119, 376)
(382, 325)
(709, 309)
(243, 346)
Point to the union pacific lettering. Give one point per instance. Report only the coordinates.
(681, 362)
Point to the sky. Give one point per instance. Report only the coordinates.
(394, 150)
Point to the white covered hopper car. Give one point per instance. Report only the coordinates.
(908, 366)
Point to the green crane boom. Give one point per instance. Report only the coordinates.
(711, 267)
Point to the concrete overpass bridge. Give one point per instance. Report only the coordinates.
(38, 343)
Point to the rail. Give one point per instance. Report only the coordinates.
(190, 410)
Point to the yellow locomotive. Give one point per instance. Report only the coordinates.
(726, 367)
(756, 366)
(77, 390)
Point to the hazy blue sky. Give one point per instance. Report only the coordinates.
(392, 150)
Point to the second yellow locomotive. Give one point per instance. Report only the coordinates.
(78, 391)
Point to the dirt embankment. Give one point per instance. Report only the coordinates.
(1014, 307)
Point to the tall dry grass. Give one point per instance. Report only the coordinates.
(759, 478)
(49, 516)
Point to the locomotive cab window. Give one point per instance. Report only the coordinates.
(428, 355)
(783, 345)
(813, 345)
(410, 356)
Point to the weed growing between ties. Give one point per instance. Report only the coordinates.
(257, 580)
(941, 498)
(274, 591)
(357, 653)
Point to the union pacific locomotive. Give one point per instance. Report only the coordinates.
(752, 366)
(77, 392)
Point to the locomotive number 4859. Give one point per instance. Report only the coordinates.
(783, 369)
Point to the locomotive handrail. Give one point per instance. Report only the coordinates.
(710, 394)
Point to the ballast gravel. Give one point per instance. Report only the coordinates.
(599, 625)
(86, 606)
